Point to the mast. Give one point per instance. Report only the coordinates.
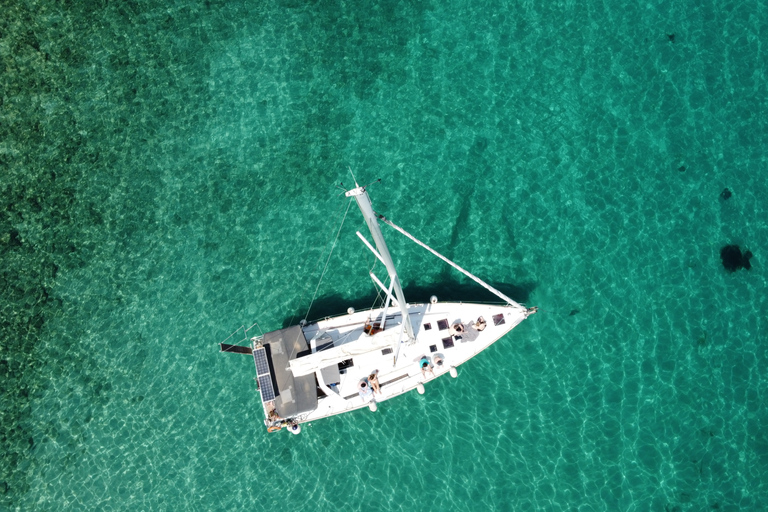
(364, 202)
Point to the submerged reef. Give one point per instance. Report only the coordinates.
(733, 259)
(40, 214)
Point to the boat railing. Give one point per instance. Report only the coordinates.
(246, 338)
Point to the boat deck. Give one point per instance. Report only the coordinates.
(436, 338)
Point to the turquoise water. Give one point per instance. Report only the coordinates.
(169, 173)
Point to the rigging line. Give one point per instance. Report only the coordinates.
(338, 233)
(304, 291)
(378, 296)
(378, 291)
(454, 265)
(251, 327)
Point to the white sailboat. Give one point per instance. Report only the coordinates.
(358, 360)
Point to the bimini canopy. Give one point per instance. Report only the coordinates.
(294, 395)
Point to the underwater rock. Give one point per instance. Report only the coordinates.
(671, 38)
(573, 312)
(681, 168)
(14, 239)
(725, 194)
(733, 259)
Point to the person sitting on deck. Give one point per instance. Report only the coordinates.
(364, 389)
(374, 380)
(438, 360)
(425, 366)
(480, 324)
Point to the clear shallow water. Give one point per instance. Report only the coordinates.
(169, 175)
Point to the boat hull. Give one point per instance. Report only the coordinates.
(446, 335)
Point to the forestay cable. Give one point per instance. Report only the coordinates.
(338, 233)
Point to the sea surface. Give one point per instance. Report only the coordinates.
(170, 172)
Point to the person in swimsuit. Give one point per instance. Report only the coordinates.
(374, 380)
(425, 366)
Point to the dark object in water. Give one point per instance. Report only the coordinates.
(681, 168)
(573, 312)
(733, 259)
(671, 38)
(725, 194)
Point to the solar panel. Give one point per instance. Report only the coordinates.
(260, 358)
(262, 372)
(265, 386)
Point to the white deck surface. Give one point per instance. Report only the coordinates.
(406, 375)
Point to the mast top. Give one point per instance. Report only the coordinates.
(359, 190)
(355, 191)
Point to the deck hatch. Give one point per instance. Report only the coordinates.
(498, 319)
